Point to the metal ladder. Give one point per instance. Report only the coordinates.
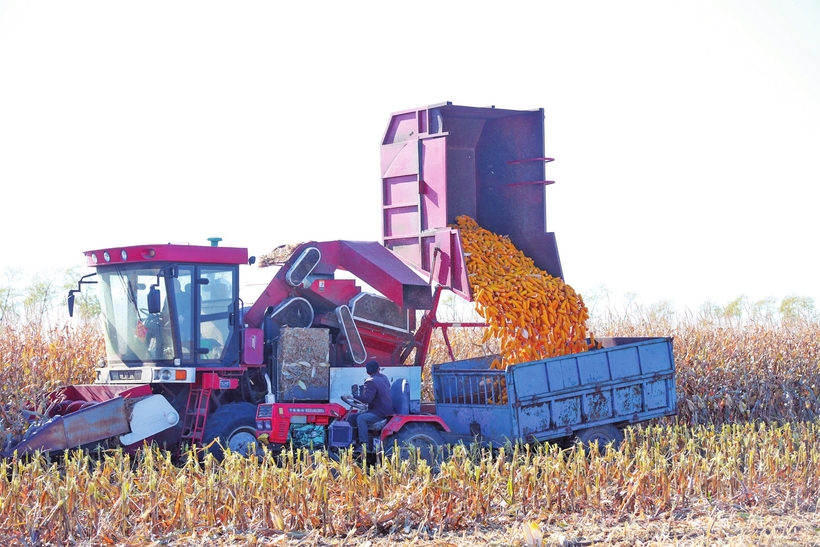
(196, 413)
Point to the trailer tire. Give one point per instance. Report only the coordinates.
(233, 427)
(602, 435)
(416, 438)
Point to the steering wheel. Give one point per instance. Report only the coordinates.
(354, 403)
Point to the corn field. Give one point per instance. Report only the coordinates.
(34, 361)
(111, 498)
(739, 466)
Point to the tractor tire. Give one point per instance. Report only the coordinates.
(231, 427)
(600, 437)
(414, 439)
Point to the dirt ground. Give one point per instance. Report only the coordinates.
(706, 526)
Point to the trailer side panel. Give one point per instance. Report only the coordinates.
(630, 380)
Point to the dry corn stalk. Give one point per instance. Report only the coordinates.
(278, 256)
(533, 314)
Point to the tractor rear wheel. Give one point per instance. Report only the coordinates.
(231, 427)
(416, 439)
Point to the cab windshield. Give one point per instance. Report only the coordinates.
(194, 322)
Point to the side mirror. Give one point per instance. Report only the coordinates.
(70, 301)
(154, 300)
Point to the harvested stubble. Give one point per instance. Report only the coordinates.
(665, 472)
(533, 314)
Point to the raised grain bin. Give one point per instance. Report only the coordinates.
(442, 161)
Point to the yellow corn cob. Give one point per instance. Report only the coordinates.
(533, 314)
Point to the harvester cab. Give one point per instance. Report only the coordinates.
(168, 306)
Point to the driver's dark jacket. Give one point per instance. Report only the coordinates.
(376, 393)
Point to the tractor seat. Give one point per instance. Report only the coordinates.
(400, 393)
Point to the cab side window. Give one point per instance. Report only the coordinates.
(216, 304)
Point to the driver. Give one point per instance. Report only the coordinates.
(376, 394)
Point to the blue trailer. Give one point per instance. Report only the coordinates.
(587, 396)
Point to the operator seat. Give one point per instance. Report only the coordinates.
(400, 393)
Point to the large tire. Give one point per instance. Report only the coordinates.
(416, 438)
(601, 436)
(232, 427)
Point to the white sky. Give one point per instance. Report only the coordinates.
(686, 134)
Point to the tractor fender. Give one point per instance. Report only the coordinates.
(397, 422)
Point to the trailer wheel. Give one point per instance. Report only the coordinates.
(414, 439)
(233, 427)
(603, 435)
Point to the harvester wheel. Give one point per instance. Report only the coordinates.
(416, 438)
(233, 427)
(602, 435)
